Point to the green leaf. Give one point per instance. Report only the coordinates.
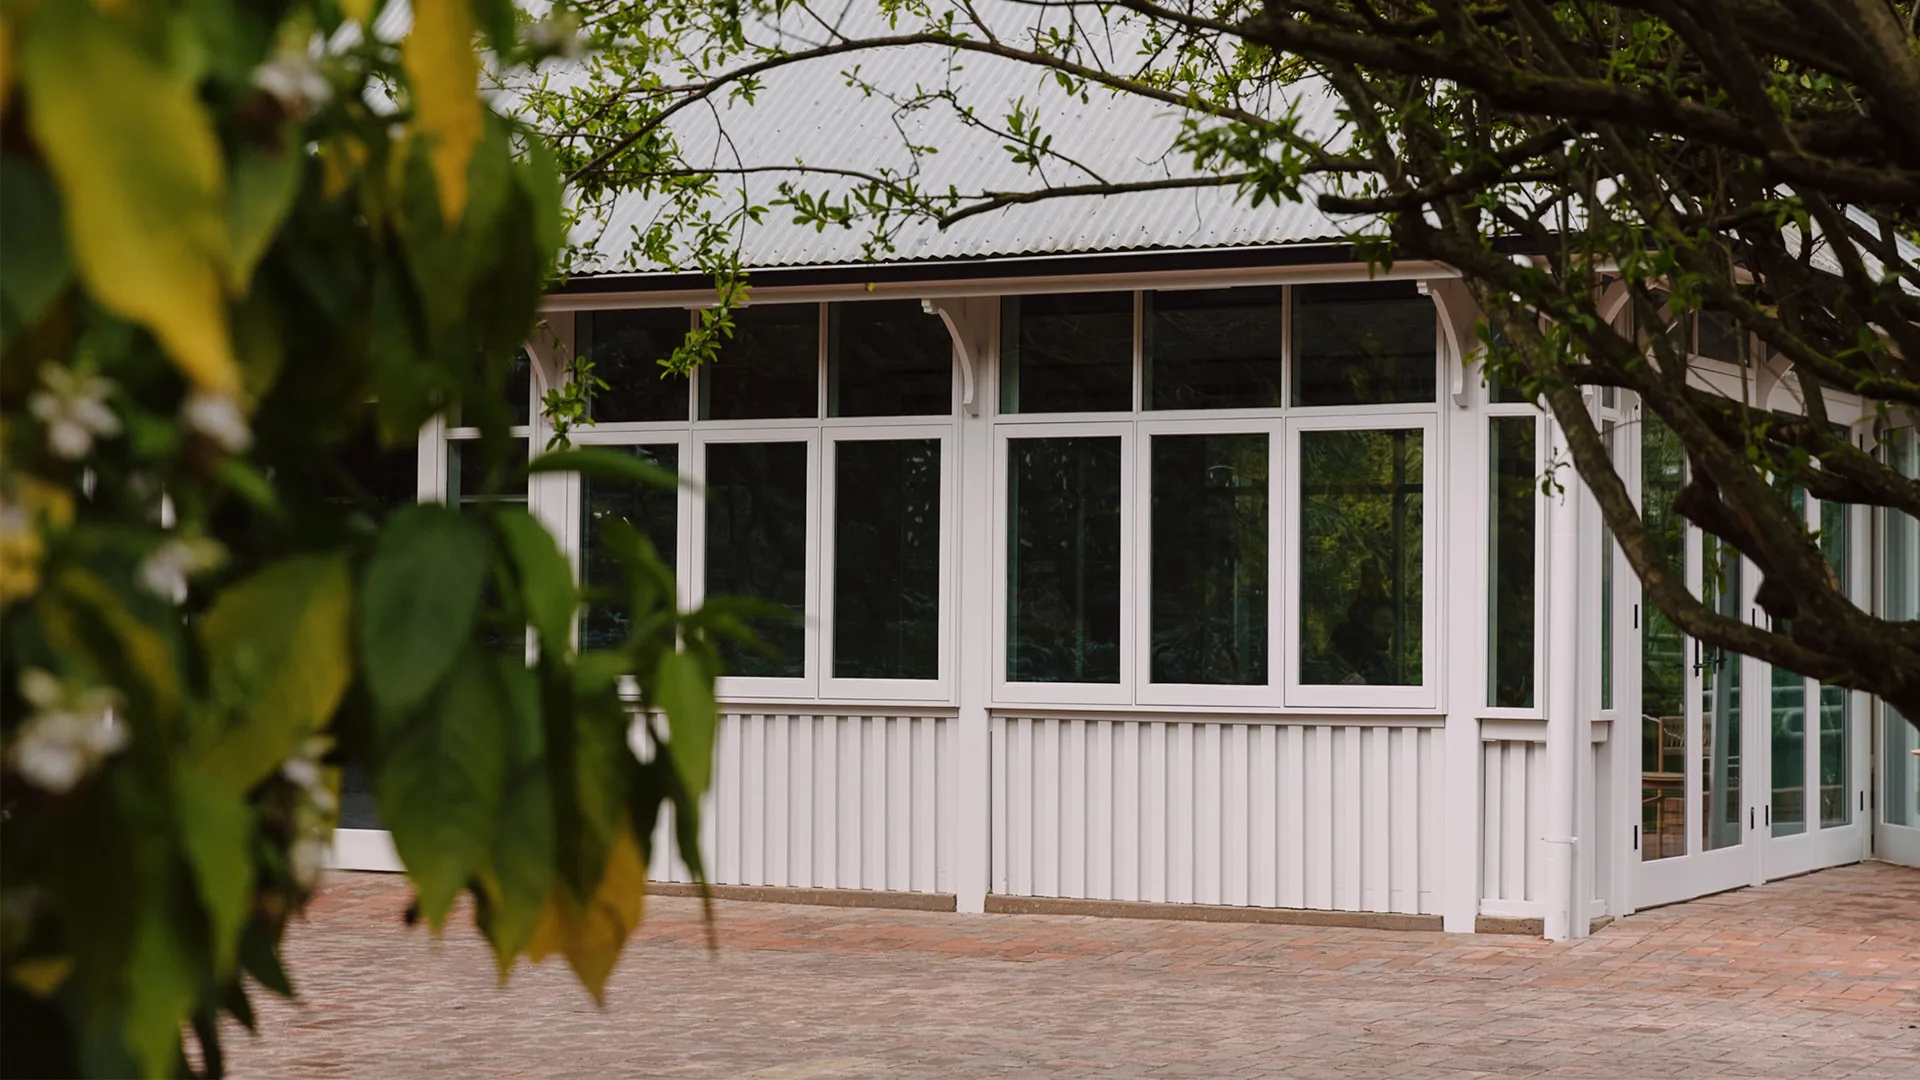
(418, 600)
(280, 657)
(683, 687)
(216, 828)
(520, 874)
(37, 268)
(264, 184)
(546, 577)
(604, 465)
(161, 984)
(440, 782)
(140, 177)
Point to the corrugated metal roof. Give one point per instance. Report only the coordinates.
(808, 115)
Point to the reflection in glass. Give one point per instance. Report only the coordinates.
(1063, 560)
(1788, 735)
(1363, 344)
(1835, 741)
(1214, 349)
(470, 485)
(1719, 336)
(1900, 739)
(1663, 720)
(886, 559)
(1066, 352)
(654, 512)
(769, 369)
(357, 808)
(516, 394)
(1607, 555)
(626, 348)
(1209, 574)
(1512, 510)
(757, 546)
(1720, 702)
(1360, 557)
(888, 358)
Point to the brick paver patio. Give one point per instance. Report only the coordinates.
(1813, 977)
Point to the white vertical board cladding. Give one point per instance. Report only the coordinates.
(1513, 794)
(825, 801)
(1253, 814)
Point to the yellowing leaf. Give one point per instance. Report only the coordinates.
(443, 72)
(357, 10)
(40, 975)
(591, 935)
(280, 648)
(141, 178)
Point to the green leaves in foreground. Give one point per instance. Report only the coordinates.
(418, 602)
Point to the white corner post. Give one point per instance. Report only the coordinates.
(1565, 908)
(970, 322)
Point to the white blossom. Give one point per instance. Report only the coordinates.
(558, 34)
(218, 417)
(305, 859)
(294, 78)
(69, 733)
(73, 405)
(303, 771)
(165, 571)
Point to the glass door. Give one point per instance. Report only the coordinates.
(1897, 769)
(1814, 813)
(1697, 745)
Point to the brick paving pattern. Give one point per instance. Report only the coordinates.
(1817, 976)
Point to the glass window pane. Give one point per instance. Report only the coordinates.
(1066, 353)
(1787, 736)
(1360, 558)
(1901, 767)
(1607, 557)
(1063, 560)
(377, 478)
(626, 348)
(769, 369)
(1720, 779)
(1836, 806)
(1510, 563)
(888, 358)
(757, 545)
(654, 512)
(886, 559)
(1214, 349)
(1209, 574)
(1719, 336)
(1363, 344)
(1663, 735)
(467, 475)
(516, 394)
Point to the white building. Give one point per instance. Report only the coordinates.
(1151, 553)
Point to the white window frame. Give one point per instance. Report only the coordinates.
(940, 688)
(1369, 698)
(1267, 422)
(1005, 691)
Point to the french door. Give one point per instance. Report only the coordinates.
(1897, 762)
(1746, 773)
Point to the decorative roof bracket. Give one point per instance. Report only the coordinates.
(969, 322)
(1450, 304)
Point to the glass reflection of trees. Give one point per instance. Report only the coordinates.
(1209, 553)
(1063, 560)
(1360, 569)
(886, 559)
(1512, 510)
(757, 546)
(653, 511)
(1662, 653)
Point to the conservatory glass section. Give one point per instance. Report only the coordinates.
(1063, 560)
(1361, 588)
(1209, 545)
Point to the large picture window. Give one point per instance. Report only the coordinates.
(886, 559)
(1063, 560)
(1208, 621)
(1361, 557)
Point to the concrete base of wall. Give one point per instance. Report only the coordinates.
(1137, 909)
(1501, 924)
(769, 894)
